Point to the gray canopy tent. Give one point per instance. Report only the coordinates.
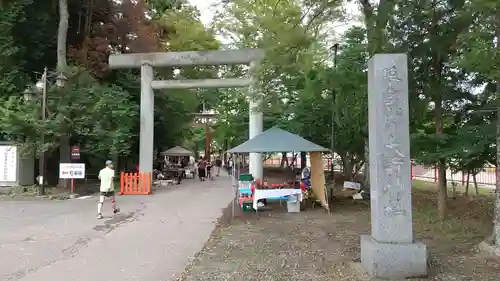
(277, 140)
(272, 140)
(177, 151)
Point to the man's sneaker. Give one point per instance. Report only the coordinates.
(99, 216)
(117, 210)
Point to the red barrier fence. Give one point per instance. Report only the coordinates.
(487, 176)
(135, 183)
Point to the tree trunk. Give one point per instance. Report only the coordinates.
(196, 150)
(284, 160)
(467, 184)
(496, 217)
(475, 183)
(62, 34)
(348, 167)
(294, 159)
(442, 190)
(376, 27)
(454, 187)
(64, 142)
(303, 160)
(224, 154)
(358, 168)
(437, 65)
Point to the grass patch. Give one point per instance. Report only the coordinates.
(28, 192)
(468, 220)
(460, 189)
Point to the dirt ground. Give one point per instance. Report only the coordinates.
(313, 245)
(51, 193)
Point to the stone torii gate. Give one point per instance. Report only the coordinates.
(146, 61)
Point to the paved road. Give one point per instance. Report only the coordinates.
(151, 240)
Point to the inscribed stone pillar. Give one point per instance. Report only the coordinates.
(390, 251)
(146, 143)
(255, 126)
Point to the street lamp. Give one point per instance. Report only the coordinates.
(61, 80)
(28, 94)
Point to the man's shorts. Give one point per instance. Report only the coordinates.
(107, 193)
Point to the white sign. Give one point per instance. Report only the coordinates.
(8, 163)
(352, 185)
(71, 170)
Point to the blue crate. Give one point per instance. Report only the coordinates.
(245, 190)
(277, 198)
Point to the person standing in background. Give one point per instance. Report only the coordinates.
(202, 165)
(182, 172)
(107, 176)
(230, 166)
(218, 164)
(209, 170)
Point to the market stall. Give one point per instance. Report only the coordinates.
(173, 158)
(250, 191)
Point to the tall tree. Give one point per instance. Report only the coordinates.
(482, 59)
(292, 33)
(62, 35)
(433, 83)
(95, 29)
(376, 18)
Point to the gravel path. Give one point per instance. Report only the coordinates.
(313, 245)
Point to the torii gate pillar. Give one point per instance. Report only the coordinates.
(255, 124)
(147, 115)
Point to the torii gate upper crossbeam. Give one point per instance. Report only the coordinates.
(219, 57)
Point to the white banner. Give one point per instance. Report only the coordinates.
(8, 163)
(71, 170)
(352, 185)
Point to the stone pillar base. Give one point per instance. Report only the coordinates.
(393, 260)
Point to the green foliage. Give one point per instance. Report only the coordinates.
(11, 75)
(232, 121)
(297, 81)
(101, 117)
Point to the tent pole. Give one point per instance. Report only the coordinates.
(326, 199)
(235, 183)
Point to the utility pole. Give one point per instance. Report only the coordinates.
(40, 88)
(208, 141)
(41, 165)
(332, 143)
(207, 135)
(205, 118)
